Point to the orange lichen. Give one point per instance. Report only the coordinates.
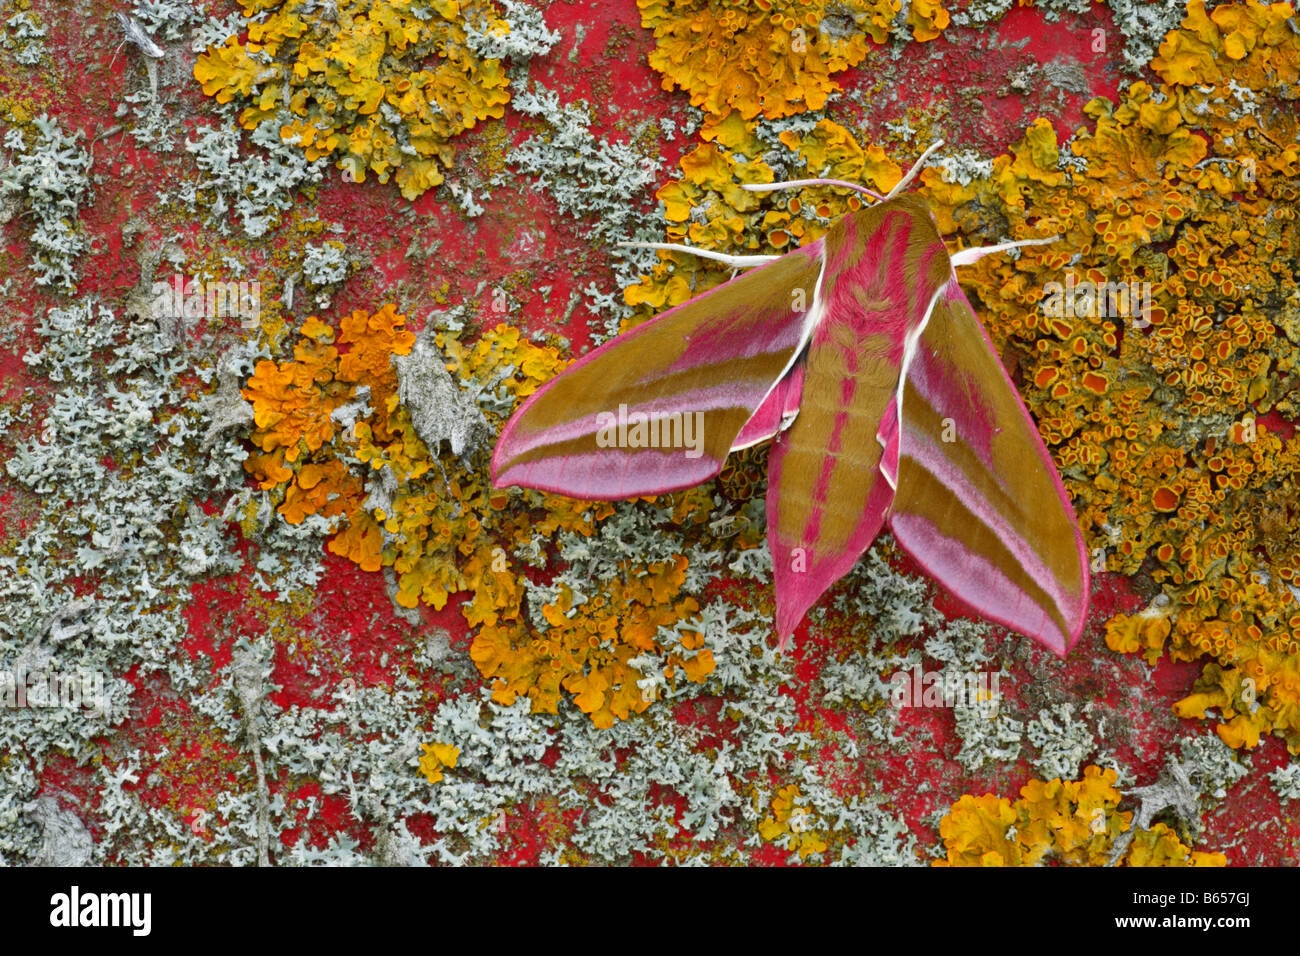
(444, 530)
(1143, 633)
(374, 85)
(1070, 823)
(1164, 498)
(770, 57)
(293, 403)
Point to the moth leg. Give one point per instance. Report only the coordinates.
(736, 262)
(965, 257)
(914, 171)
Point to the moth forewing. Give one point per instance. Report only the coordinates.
(997, 533)
(721, 354)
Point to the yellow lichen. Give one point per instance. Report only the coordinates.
(1253, 41)
(927, 18)
(590, 655)
(377, 86)
(769, 57)
(791, 819)
(437, 757)
(1070, 823)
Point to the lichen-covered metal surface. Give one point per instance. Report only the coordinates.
(275, 273)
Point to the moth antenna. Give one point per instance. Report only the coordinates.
(914, 171)
(736, 262)
(965, 257)
(796, 183)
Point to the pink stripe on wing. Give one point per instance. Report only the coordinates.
(608, 473)
(922, 451)
(717, 342)
(723, 395)
(948, 561)
(972, 420)
(781, 402)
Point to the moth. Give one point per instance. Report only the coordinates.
(860, 356)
